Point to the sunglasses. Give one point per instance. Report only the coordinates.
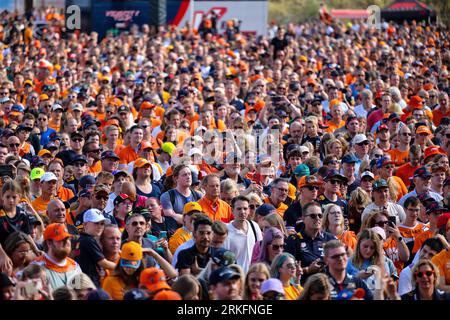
(377, 156)
(421, 274)
(312, 188)
(12, 145)
(335, 182)
(338, 256)
(77, 140)
(335, 162)
(389, 166)
(366, 143)
(381, 224)
(447, 135)
(79, 164)
(290, 266)
(277, 247)
(253, 207)
(96, 151)
(315, 216)
(138, 223)
(406, 134)
(102, 197)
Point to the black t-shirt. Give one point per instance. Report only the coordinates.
(292, 214)
(20, 222)
(279, 44)
(186, 258)
(169, 224)
(340, 202)
(89, 254)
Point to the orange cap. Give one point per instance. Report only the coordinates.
(147, 105)
(432, 151)
(43, 97)
(140, 162)
(308, 181)
(56, 231)
(423, 129)
(44, 152)
(153, 279)
(167, 295)
(416, 102)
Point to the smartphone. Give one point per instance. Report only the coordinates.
(392, 221)
(162, 234)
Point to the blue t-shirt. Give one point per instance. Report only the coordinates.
(179, 200)
(45, 136)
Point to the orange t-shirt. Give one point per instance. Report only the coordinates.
(127, 155)
(420, 239)
(442, 261)
(406, 171)
(438, 115)
(219, 211)
(333, 126)
(349, 239)
(65, 194)
(410, 234)
(100, 116)
(281, 208)
(400, 157)
(402, 190)
(96, 168)
(40, 206)
(391, 250)
(54, 125)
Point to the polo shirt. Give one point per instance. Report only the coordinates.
(127, 155)
(218, 210)
(292, 214)
(281, 209)
(242, 243)
(350, 283)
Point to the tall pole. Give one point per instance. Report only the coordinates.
(191, 14)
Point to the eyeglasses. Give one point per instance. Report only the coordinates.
(99, 197)
(312, 188)
(290, 266)
(315, 216)
(406, 134)
(277, 247)
(12, 145)
(335, 182)
(421, 274)
(79, 164)
(138, 223)
(365, 143)
(338, 256)
(253, 206)
(4, 93)
(381, 224)
(377, 156)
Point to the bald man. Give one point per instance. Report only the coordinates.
(57, 213)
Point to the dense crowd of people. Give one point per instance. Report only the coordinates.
(178, 164)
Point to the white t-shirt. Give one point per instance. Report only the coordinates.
(242, 244)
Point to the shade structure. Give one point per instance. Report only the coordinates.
(408, 10)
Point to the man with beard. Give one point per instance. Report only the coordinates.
(59, 268)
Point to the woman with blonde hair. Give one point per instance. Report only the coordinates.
(275, 220)
(334, 147)
(255, 203)
(317, 287)
(333, 222)
(369, 262)
(256, 275)
(359, 200)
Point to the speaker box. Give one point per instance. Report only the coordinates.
(158, 12)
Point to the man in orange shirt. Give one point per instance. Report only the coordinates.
(48, 192)
(92, 151)
(336, 121)
(130, 153)
(406, 171)
(279, 192)
(56, 166)
(385, 168)
(55, 117)
(442, 261)
(433, 210)
(443, 110)
(214, 207)
(400, 154)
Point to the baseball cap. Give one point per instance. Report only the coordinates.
(223, 274)
(265, 209)
(23, 128)
(81, 281)
(77, 106)
(380, 183)
(168, 147)
(109, 155)
(308, 181)
(131, 255)
(101, 188)
(89, 123)
(383, 161)
(302, 170)
(44, 152)
(76, 134)
(434, 206)
(380, 231)
(232, 158)
(359, 138)
(136, 294)
(84, 193)
(57, 107)
(422, 172)
(48, 176)
(167, 295)
(36, 173)
(28, 82)
(5, 280)
(141, 162)
(367, 174)
(98, 294)
(394, 116)
(223, 257)
(194, 151)
(423, 129)
(80, 158)
(86, 181)
(120, 198)
(192, 206)
(153, 279)
(145, 145)
(93, 215)
(56, 231)
(332, 173)
(433, 150)
(382, 127)
(272, 284)
(349, 158)
(123, 109)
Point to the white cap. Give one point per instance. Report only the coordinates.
(77, 106)
(93, 215)
(303, 149)
(380, 231)
(194, 151)
(359, 138)
(56, 107)
(105, 69)
(48, 176)
(367, 174)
